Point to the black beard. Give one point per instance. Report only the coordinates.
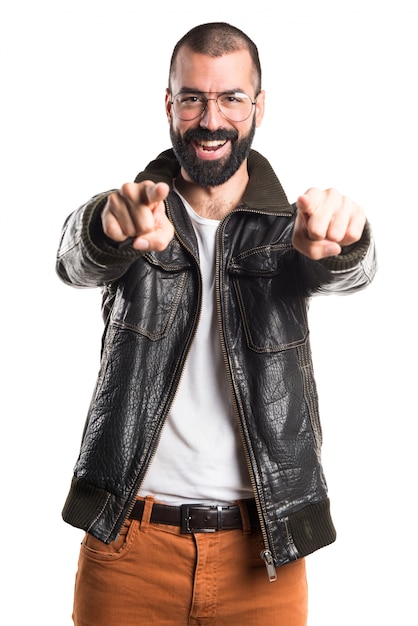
(211, 173)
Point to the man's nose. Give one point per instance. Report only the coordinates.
(211, 117)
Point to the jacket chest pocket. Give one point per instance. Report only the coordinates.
(149, 299)
(272, 312)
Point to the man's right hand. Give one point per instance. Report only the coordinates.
(137, 212)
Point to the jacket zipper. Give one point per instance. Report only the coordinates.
(266, 554)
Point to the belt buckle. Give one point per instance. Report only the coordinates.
(187, 529)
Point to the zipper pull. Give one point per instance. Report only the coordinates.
(268, 560)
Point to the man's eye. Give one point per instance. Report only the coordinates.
(190, 99)
(231, 99)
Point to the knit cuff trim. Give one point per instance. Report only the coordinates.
(350, 255)
(83, 503)
(312, 528)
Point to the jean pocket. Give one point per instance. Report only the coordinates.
(99, 550)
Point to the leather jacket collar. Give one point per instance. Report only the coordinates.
(264, 191)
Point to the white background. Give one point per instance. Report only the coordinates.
(82, 97)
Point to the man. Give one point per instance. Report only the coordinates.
(199, 477)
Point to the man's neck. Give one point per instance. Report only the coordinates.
(214, 202)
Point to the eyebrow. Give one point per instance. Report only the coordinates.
(199, 91)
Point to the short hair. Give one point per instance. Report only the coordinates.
(216, 39)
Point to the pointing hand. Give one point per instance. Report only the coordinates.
(137, 212)
(325, 222)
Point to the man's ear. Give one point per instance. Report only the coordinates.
(259, 108)
(168, 105)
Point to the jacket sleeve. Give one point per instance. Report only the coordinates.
(351, 270)
(86, 257)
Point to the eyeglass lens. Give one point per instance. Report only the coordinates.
(235, 106)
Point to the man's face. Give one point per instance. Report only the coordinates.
(211, 148)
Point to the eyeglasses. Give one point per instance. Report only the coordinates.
(236, 106)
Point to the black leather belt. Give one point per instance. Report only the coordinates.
(197, 518)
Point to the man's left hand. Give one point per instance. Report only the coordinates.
(325, 222)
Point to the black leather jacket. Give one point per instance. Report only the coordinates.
(151, 306)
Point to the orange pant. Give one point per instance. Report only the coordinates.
(153, 575)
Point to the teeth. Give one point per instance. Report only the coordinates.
(211, 144)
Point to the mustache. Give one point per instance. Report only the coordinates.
(203, 134)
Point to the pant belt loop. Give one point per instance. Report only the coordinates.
(220, 523)
(245, 518)
(146, 514)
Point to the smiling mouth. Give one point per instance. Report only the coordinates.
(211, 146)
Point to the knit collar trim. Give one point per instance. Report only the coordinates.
(264, 191)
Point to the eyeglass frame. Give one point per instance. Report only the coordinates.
(220, 93)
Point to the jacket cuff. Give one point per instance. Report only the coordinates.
(352, 255)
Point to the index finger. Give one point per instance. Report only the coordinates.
(145, 193)
(319, 209)
(154, 193)
(310, 201)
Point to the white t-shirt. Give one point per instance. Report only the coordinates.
(199, 457)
